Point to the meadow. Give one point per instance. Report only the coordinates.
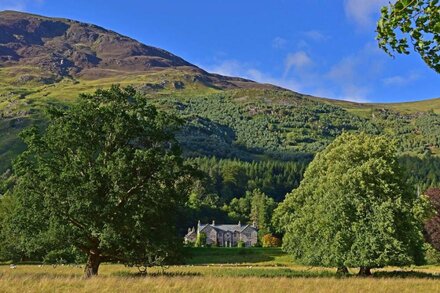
(219, 270)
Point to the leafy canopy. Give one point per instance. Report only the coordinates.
(352, 208)
(412, 21)
(105, 176)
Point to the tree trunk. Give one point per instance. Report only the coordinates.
(342, 270)
(364, 272)
(92, 265)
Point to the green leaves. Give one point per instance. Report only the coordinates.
(415, 21)
(352, 208)
(105, 176)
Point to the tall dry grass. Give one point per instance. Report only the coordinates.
(114, 278)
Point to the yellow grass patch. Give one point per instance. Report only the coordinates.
(117, 278)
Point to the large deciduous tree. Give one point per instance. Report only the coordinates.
(353, 209)
(105, 176)
(415, 23)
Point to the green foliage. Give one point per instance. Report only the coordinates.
(274, 178)
(239, 209)
(200, 240)
(411, 21)
(69, 255)
(423, 171)
(432, 255)
(256, 207)
(262, 208)
(240, 244)
(9, 242)
(353, 208)
(276, 124)
(106, 176)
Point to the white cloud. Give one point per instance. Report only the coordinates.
(352, 78)
(279, 43)
(239, 69)
(354, 93)
(298, 60)
(18, 5)
(316, 36)
(345, 70)
(401, 80)
(227, 67)
(364, 12)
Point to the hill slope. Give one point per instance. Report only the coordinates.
(51, 60)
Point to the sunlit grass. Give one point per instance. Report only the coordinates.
(213, 278)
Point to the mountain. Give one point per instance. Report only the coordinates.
(51, 60)
(56, 48)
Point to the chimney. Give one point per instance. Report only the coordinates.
(189, 230)
(254, 224)
(239, 223)
(213, 222)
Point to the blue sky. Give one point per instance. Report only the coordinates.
(319, 47)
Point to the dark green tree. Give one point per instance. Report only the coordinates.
(415, 23)
(239, 209)
(234, 180)
(262, 208)
(353, 208)
(105, 176)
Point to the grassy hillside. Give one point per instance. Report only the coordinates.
(225, 117)
(365, 109)
(248, 124)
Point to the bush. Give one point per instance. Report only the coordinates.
(432, 255)
(271, 241)
(64, 256)
(200, 240)
(240, 244)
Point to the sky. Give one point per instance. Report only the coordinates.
(325, 48)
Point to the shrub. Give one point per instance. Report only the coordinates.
(200, 240)
(240, 244)
(432, 255)
(271, 241)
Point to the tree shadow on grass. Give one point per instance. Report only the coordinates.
(126, 274)
(201, 256)
(281, 272)
(406, 274)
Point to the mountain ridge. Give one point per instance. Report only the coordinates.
(69, 48)
(63, 47)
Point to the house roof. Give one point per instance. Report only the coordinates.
(190, 233)
(227, 227)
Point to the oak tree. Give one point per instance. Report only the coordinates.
(353, 209)
(106, 176)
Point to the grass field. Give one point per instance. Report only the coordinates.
(219, 270)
